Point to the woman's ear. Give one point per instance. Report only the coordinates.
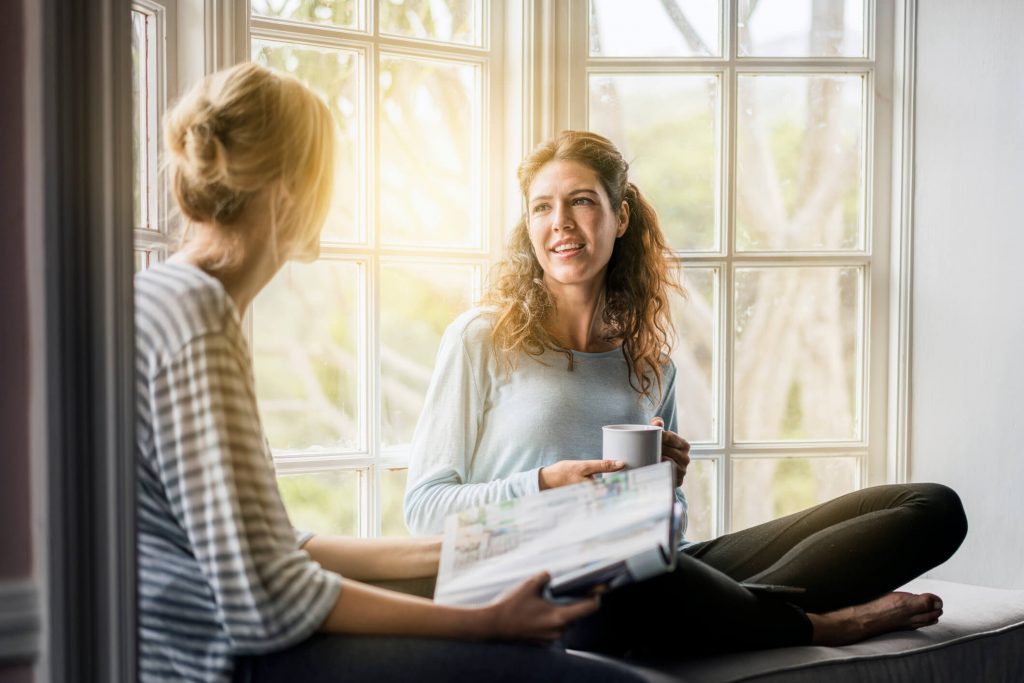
(623, 219)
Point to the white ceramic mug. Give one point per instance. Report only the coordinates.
(635, 445)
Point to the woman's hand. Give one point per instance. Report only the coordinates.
(675, 449)
(565, 472)
(523, 614)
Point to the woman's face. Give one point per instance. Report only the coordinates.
(572, 224)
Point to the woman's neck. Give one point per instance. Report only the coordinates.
(578, 319)
(244, 279)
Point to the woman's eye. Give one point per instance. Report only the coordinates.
(582, 201)
(537, 208)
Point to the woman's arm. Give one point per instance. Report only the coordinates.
(520, 614)
(376, 559)
(447, 433)
(222, 493)
(435, 493)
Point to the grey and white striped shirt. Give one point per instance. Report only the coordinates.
(221, 570)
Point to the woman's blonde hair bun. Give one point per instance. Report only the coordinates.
(245, 130)
(203, 150)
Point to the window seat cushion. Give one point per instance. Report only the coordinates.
(979, 638)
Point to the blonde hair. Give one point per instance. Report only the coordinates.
(637, 282)
(240, 132)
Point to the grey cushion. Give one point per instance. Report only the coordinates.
(979, 638)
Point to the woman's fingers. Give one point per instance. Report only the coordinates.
(536, 583)
(566, 472)
(673, 441)
(524, 614)
(589, 468)
(676, 449)
(571, 613)
(562, 617)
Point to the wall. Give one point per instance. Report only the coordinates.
(16, 565)
(967, 382)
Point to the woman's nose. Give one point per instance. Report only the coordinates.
(560, 218)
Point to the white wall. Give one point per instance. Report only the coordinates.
(967, 382)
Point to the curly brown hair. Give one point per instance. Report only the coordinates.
(637, 281)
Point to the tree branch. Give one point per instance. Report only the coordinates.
(685, 27)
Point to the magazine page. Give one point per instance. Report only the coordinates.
(562, 531)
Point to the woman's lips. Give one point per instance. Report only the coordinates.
(569, 252)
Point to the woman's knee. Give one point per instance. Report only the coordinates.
(943, 509)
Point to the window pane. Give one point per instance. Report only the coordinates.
(142, 259)
(801, 28)
(306, 351)
(701, 487)
(654, 28)
(449, 21)
(800, 163)
(672, 148)
(769, 488)
(696, 355)
(323, 502)
(139, 118)
(143, 120)
(342, 13)
(335, 75)
(392, 491)
(798, 362)
(417, 303)
(431, 175)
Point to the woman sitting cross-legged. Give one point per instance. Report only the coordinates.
(574, 335)
(227, 588)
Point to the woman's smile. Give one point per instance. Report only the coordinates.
(567, 248)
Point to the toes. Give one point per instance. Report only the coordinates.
(925, 619)
(925, 602)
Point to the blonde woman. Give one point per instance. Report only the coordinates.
(575, 334)
(227, 588)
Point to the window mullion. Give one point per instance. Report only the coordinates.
(370, 508)
(723, 517)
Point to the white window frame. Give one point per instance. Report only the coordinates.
(371, 458)
(566, 63)
(156, 239)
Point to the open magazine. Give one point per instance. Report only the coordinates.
(591, 537)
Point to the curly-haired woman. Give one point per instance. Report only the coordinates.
(574, 333)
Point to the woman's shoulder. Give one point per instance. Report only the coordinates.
(176, 304)
(473, 326)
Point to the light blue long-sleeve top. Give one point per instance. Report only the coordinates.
(485, 432)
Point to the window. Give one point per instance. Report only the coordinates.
(754, 127)
(758, 129)
(344, 348)
(152, 79)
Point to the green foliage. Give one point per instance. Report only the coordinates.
(680, 185)
(337, 12)
(787, 140)
(794, 486)
(451, 20)
(322, 503)
(392, 513)
(792, 428)
(328, 502)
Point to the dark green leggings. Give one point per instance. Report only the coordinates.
(843, 552)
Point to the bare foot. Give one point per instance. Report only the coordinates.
(892, 612)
